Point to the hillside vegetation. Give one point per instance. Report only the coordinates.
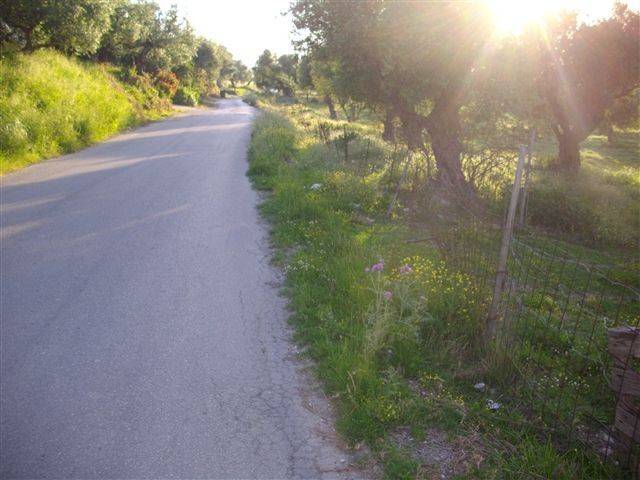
(52, 104)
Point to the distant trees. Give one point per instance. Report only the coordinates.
(136, 34)
(141, 35)
(240, 74)
(276, 73)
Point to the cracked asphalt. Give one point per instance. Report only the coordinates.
(142, 332)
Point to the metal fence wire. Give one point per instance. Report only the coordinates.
(568, 324)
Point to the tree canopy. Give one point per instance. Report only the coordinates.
(134, 34)
(432, 65)
(72, 26)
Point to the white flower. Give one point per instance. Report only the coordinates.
(491, 405)
(480, 386)
(316, 186)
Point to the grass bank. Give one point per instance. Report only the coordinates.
(51, 104)
(394, 330)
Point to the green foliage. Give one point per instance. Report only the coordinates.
(142, 35)
(186, 96)
(132, 34)
(240, 73)
(251, 99)
(166, 82)
(276, 74)
(71, 26)
(51, 104)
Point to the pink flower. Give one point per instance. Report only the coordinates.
(388, 295)
(377, 267)
(367, 270)
(405, 269)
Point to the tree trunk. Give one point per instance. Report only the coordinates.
(608, 130)
(444, 130)
(331, 106)
(28, 35)
(388, 134)
(568, 151)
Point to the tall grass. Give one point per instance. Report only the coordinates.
(51, 104)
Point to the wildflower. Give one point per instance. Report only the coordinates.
(480, 386)
(493, 405)
(388, 295)
(405, 269)
(367, 270)
(377, 267)
(316, 186)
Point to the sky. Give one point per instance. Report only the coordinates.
(248, 27)
(245, 27)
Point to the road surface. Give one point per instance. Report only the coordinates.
(142, 335)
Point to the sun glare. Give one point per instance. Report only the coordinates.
(512, 16)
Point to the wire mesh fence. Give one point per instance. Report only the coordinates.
(561, 308)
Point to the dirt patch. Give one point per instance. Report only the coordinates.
(439, 456)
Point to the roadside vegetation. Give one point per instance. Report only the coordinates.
(389, 238)
(395, 330)
(75, 72)
(52, 104)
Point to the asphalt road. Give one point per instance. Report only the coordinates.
(142, 334)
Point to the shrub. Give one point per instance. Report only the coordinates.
(166, 82)
(141, 87)
(186, 96)
(250, 99)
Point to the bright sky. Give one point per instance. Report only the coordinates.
(512, 15)
(245, 27)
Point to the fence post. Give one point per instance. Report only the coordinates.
(507, 231)
(623, 344)
(525, 188)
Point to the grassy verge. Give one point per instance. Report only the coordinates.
(51, 104)
(394, 330)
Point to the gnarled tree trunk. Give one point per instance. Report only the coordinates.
(608, 130)
(332, 108)
(388, 132)
(568, 151)
(443, 126)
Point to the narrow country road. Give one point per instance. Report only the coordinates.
(142, 334)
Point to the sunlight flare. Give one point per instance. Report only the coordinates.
(512, 17)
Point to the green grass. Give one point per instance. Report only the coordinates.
(52, 104)
(599, 206)
(408, 358)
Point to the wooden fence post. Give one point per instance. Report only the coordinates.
(623, 344)
(507, 231)
(527, 172)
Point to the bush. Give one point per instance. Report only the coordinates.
(141, 88)
(250, 99)
(186, 96)
(166, 82)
